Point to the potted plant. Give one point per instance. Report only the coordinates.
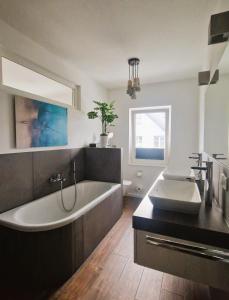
(105, 112)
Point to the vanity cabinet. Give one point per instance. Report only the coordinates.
(194, 261)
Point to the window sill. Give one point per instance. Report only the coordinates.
(144, 163)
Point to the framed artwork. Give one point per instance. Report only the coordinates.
(40, 124)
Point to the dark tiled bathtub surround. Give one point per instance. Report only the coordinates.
(16, 180)
(46, 164)
(25, 176)
(103, 164)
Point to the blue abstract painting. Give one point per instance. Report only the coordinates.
(40, 124)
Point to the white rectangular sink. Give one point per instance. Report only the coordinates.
(180, 196)
(178, 174)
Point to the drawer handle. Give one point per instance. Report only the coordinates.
(184, 245)
(200, 251)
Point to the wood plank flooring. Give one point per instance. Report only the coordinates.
(110, 274)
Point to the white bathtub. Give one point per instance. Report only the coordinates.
(47, 212)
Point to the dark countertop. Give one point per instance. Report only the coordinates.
(208, 227)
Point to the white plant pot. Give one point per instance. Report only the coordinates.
(103, 141)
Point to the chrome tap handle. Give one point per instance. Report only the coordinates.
(57, 178)
(209, 177)
(198, 158)
(199, 168)
(61, 177)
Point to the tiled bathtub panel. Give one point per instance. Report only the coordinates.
(25, 176)
(47, 164)
(16, 180)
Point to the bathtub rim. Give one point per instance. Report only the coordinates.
(6, 218)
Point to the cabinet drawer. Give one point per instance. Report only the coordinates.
(198, 262)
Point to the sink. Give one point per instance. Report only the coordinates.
(178, 174)
(174, 195)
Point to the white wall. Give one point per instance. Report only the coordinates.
(81, 131)
(183, 98)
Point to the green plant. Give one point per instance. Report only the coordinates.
(105, 112)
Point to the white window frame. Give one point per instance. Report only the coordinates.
(76, 89)
(132, 128)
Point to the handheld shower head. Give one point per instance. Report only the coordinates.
(74, 166)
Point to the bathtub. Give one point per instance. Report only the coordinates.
(48, 213)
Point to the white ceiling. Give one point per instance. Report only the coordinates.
(98, 36)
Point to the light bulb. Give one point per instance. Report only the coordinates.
(138, 87)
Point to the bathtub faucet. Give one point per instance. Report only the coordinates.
(57, 178)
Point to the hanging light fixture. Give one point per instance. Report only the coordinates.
(133, 85)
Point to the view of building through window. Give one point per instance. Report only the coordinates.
(150, 135)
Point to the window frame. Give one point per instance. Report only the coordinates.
(132, 135)
(21, 61)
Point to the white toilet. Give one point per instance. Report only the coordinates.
(126, 185)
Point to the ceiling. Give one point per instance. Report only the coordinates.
(98, 36)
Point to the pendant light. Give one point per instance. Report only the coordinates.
(133, 84)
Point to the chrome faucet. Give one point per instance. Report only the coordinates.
(57, 178)
(198, 158)
(209, 178)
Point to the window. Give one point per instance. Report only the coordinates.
(149, 135)
(24, 79)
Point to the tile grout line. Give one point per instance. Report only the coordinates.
(161, 285)
(143, 269)
(172, 292)
(123, 269)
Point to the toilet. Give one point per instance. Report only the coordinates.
(126, 185)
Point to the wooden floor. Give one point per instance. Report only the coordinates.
(110, 274)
